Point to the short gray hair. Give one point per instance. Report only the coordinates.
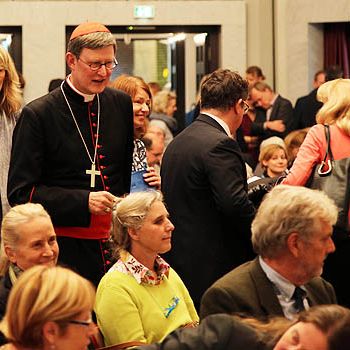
(288, 209)
(91, 41)
(130, 213)
(10, 236)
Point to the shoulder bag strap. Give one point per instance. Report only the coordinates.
(326, 165)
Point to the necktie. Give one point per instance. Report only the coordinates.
(298, 297)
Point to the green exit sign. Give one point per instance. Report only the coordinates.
(143, 11)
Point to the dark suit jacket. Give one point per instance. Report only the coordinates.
(217, 332)
(281, 109)
(204, 185)
(305, 110)
(247, 290)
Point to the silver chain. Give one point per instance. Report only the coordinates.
(76, 124)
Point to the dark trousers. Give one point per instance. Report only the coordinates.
(90, 258)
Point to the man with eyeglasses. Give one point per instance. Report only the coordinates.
(204, 185)
(72, 152)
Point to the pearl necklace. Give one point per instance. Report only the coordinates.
(92, 172)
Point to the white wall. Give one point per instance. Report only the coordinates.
(260, 36)
(43, 27)
(246, 38)
(299, 40)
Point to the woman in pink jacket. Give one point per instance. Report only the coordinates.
(335, 112)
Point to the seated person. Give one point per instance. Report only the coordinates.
(293, 141)
(49, 308)
(273, 140)
(164, 107)
(323, 327)
(273, 160)
(292, 234)
(27, 239)
(154, 150)
(274, 113)
(141, 299)
(216, 332)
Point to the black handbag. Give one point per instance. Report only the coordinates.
(333, 178)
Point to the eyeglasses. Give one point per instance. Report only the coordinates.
(245, 107)
(82, 323)
(95, 66)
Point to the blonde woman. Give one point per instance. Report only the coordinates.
(141, 299)
(10, 104)
(27, 239)
(49, 308)
(273, 160)
(164, 107)
(335, 95)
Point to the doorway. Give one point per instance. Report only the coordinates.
(176, 57)
(11, 40)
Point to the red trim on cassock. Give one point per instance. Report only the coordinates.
(31, 194)
(99, 228)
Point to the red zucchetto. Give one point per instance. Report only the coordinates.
(88, 28)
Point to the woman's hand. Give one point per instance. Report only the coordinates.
(152, 178)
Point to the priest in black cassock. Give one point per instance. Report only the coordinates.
(72, 152)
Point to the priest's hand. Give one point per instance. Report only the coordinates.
(152, 178)
(101, 202)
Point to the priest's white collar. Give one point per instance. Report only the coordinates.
(87, 98)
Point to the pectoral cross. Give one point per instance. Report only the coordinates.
(93, 172)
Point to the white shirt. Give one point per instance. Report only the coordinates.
(283, 289)
(220, 121)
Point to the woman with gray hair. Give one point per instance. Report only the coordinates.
(27, 239)
(141, 299)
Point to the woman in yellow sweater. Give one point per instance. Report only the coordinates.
(141, 299)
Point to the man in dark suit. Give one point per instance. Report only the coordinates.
(292, 235)
(306, 107)
(274, 113)
(204, 184)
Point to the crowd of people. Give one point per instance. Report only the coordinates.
(119, 231)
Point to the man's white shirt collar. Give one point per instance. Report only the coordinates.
(220, 121)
